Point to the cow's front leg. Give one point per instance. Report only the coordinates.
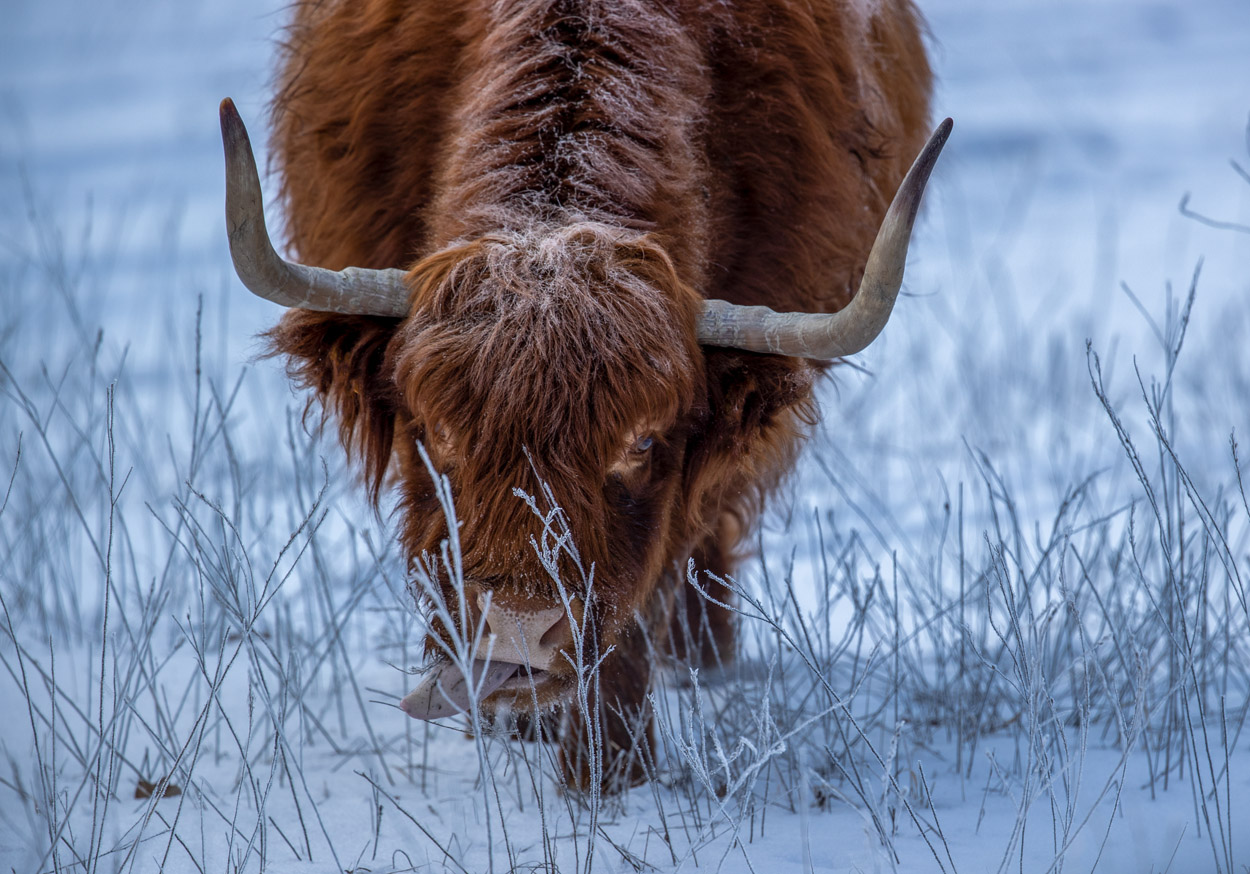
(703, 632)
(615, 746)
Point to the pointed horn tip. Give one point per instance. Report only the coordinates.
(233, 131)
(941, 133)
(937, 141)
(917, 178)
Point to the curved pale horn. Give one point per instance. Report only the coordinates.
(354, 291)
(820, 335)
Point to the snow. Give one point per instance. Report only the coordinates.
(1079, 127)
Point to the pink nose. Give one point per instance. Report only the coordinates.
(524, 634)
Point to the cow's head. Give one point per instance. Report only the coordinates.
(560, 361)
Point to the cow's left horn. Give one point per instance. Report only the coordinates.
(354, 291)
(819, 335)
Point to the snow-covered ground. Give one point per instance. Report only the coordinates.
(1036, 603)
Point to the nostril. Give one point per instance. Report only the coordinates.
(559, 633)
(474, 606)
(523, 632)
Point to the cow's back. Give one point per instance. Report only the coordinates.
(813, 112)
(817, 111)
(359, 124)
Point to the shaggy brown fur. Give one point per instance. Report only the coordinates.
(565, 181)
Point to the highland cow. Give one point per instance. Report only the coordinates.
(593, 250)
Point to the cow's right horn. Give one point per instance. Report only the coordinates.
(354, 291)
(821, 335)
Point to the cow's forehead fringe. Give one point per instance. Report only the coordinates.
(555, 339)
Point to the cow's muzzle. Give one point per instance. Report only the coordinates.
(522, 645)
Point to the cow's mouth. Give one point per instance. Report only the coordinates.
(446, 691)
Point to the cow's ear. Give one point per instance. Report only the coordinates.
(755, 399)
(759, 409)
(342, 359)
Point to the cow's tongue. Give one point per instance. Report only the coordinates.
(445, 691)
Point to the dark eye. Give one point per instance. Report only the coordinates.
(437, 438)
(644, 444)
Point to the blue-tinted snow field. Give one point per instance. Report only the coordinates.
(997, 622)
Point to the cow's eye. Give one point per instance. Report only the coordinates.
(635, 458)
(437, 438)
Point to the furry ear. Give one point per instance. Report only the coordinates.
(759, 410)
(343, 360)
